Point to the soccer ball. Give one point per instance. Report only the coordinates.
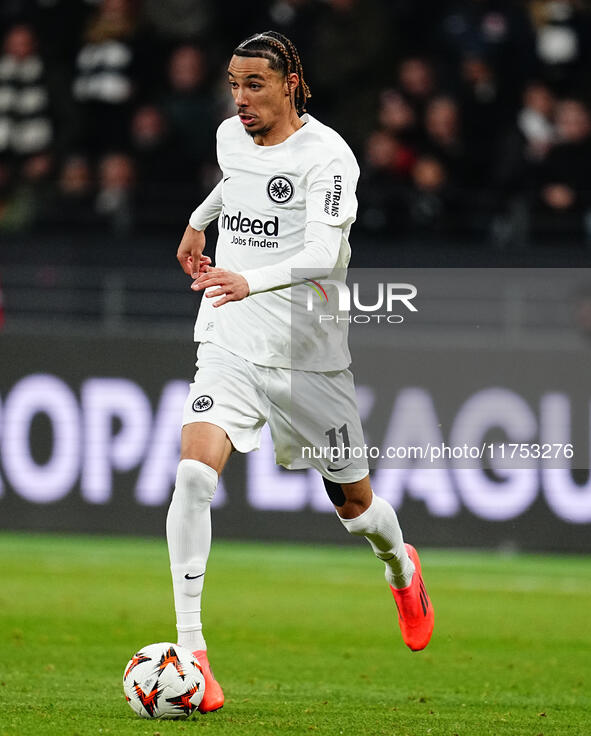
(163, 681)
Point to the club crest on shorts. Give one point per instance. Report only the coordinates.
(280, 189)
(202, 403)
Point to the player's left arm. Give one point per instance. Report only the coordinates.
(330, 207)
(319, 256)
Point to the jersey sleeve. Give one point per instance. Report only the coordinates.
(208, 210)
(330, 195)
(319, 257)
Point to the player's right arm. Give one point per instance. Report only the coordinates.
(189, 253)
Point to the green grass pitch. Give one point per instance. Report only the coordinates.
(303, 639)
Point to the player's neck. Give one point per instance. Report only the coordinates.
(280, 132)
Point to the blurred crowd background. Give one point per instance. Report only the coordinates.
(470, 119)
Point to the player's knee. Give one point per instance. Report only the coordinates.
(335, 492)
(351, 500)
(195, 484)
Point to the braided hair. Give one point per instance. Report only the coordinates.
(282, 56)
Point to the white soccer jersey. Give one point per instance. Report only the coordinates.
(269, 194)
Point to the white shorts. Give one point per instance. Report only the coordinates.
(313, 417)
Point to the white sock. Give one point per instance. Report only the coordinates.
(188, 532)
(379, 525)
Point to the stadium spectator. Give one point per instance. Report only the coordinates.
(26, 126)
(166, 26)
(485, 111)
(416, 81)
(189, 106)
(562, 38)
(388, 163)
(71, 204)
(159, 160)
(166, 185)
(397, 115)
(563, 181)
(114, 202)
(17, 206)
(443, 139)
(432, 203)
(108, 73)
(525, 143)
(535, 120)
(142, 77)
(36, 179)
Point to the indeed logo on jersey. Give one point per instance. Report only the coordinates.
(239, 224)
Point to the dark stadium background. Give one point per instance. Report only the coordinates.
(472, 127)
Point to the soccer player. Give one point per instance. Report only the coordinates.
(286, 202)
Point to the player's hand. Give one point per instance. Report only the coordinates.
(190, 250)
(204, 262)
(231, 286)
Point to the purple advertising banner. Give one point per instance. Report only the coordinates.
(90, 430)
